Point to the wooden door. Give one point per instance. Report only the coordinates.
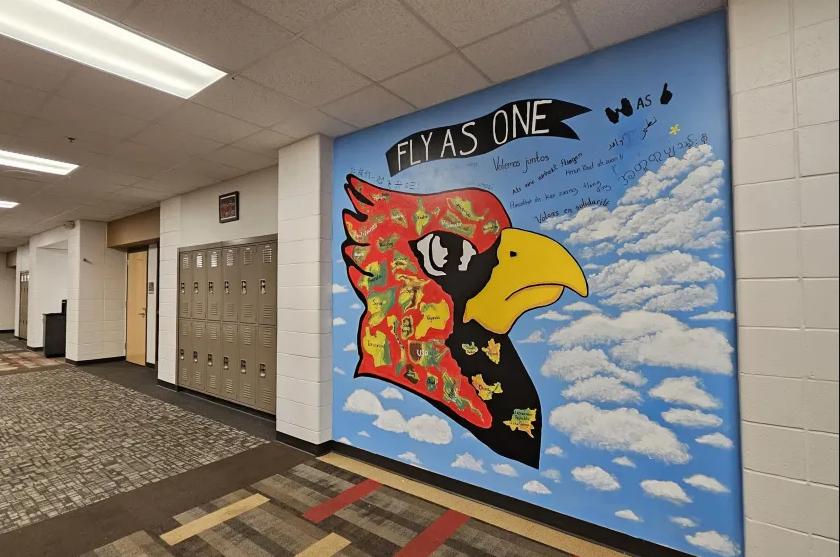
(135, 319)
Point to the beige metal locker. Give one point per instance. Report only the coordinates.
(230, 361)
(199, 355)
(268, 284)
(249, 287)
(267, 370)
(199, 285)
(23, 307)
(213, 363)
(185, 352)
(248, 338)
(185, 289)
(214, 284)
(230, 286)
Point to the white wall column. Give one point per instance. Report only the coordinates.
(784, 83)
(170, 239)
(304, 295)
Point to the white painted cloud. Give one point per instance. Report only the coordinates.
(363, 433)
(467, 435)
(684, 299)
(652, 184)
(683, 522)
(552, 315)
(361, 401)
(350, 347)
(624, 461)
(633, 299)
(429, 429)
(595, 478)
(469, 462)
(714, 316)
(715, 542)
(339, 289)
(648, 338)
(339, 371)
(627, 514)
(691, 418)
(426, 428)
(676, 227)
(504, 469)
(339, 321)
(534, 338)
(623, 429)
(582, 306)
(598, 250)
(410, 457)
(357, 305)
(673, 267)
(536, 487)
(345, 440)
(670, 491)
(391, 393)
(706, 483)
(602, 389)
(579, 363)
(686, 391)
(551, 474)
(717, 440)
(592, 267)
(554, 450)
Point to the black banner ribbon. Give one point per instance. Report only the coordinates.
(515, 120)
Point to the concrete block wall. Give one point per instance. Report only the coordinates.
(170, 239)
(304, 293)
(784, 85)
(35, 333)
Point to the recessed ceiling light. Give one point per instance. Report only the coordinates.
(8, 204)
(73, 33)
(16, 160)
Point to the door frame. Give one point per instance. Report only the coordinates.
(146, 291)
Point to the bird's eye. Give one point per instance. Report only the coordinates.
(513, 254)
(433, 254)
(466, 255)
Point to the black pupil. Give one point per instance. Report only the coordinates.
(513, 254)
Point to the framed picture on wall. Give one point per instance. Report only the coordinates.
(229, 207)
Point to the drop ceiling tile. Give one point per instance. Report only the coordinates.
(238, 158)
(248, 100)
(219, 32)
(10, 122)
(111, 9)
(198, 120)
(118, 95)
(36, 148)
(313, 121)
(67, 134)
(170, 139)
(525, 48)
(211, 169)
(123, 166)
(98, 179)
(138, 152)
(379, 38)
(131, 193)
(438, 81)
(295, 15)
(368, 107)
(32, 67)
(266, 142)
(14, 189)
(466, 21)
(91, 118)
(177, 180)
(19, 99)
(306, 74)
(632, 19)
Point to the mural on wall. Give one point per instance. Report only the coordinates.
(533, 290)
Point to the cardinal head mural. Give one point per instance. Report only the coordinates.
(444, 277)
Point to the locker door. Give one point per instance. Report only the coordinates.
(185, 286)
(230, 361)
(214, 357)
(230, 286)
(249, 269)
(199, 285)
(214, 284)
(185, 351)
(199, 354)
(248, 364)
(268, 284)
(267, 370)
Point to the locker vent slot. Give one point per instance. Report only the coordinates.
(266, 398)
(199, 307)
(247, 336)
(267, 313)
(268, 254)
(230, 335)
(229, 386)
(266, 338)
(199, 330)
(199, 261)
(185, 307)
(214, 259)
(247, 311)
(185, 261)
(214, 333)
(248, 256)
(230, 258)
(212, 381)
(246, 391)
(198, 377)
(229, 311)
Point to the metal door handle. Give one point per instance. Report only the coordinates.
(142, 313)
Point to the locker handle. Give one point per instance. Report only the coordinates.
(195, 287)
(182, 353)
(262, 286)
(262, 370)
(243, 364)
(209, 360)
(225, 363)
(244, 286)
(183, 288)
(227, 287)
(195, 356)
(210, 287)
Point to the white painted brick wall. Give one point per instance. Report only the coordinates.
(304, 291)
(784, 76)
(170, 239)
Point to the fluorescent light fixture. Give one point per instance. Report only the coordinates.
(8, 204)
(16, 160)
(73, 33)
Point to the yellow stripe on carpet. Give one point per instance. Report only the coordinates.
(215, 518)
(325, 547)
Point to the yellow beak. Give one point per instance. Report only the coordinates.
(533, 271)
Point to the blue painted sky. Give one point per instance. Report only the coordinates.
(678, 260)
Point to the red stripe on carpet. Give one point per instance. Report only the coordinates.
(427, 541)
(347, 497)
